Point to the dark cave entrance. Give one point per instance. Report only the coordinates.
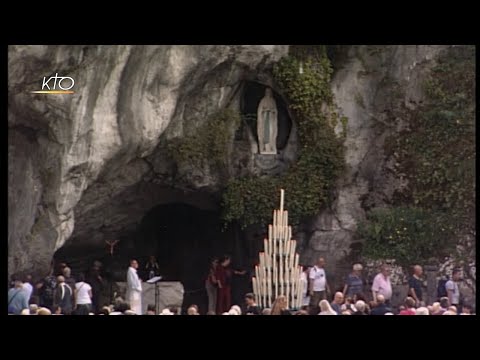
(184, 238)
(183, 230)
(253, 92)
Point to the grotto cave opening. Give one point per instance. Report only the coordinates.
(182, 235)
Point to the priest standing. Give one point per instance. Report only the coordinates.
(134, 288)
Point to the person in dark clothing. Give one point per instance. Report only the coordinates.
(59, 268)
(63, 296)
(96, 282)
(46, 290)
(152, 268)
(223, 274)
(415, 284)
(381, 308)
(252, 307)
(239, 285)
(69, 280)
(360, 306)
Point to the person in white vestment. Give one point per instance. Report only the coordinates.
(134, 288)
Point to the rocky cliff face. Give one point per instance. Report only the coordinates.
(79, 161)
(86, 167)
(373, 85)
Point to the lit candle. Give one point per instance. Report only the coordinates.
(270, 246)
(299, 285)
(298, 294)
(269, 288)
(275, 278)
(303, 285)
(280, 231)
(287, 287)
(287, 253)
(282, 193)
(286, 218)
(292, 252)
(285, 257)
(275, 228)
(274, 252)
(281, 277)
(279, 224)
(297, 256)
(294, 284)
(264, 292)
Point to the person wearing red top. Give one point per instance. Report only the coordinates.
(409, 307)
(223, 274)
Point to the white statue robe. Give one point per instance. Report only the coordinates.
(267, 119)
(134, 291)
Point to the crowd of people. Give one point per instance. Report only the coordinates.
(59, 293)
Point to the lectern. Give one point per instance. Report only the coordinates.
(155, 280)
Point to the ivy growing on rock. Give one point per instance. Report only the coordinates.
(207, 145)
(436, 154)
(308, 182)
(407, 234)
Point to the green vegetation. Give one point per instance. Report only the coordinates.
(408, 235)
(206, 147)
(436, 154)
(309, 182)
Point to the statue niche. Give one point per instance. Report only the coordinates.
(267, 124)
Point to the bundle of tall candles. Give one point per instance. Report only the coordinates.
(278, 272)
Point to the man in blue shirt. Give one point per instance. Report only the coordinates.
(17, 298)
